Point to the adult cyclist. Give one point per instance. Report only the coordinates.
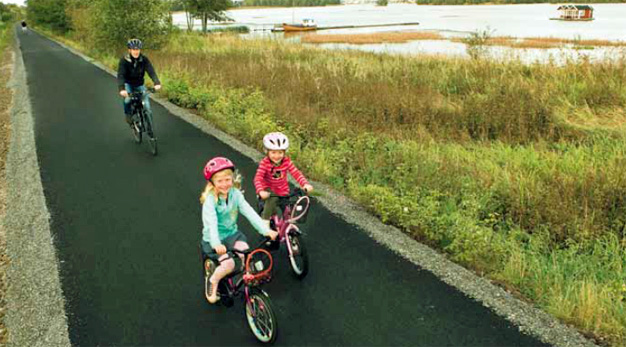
(130, 76)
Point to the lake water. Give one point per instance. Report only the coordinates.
(531, 20)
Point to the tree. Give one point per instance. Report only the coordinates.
(5, 13)
(207, 10)
(185, 5)
(80, 16)
(49, 13)
(117, 21)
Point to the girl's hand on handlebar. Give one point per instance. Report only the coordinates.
(272, 234)
(264, 194)
(221, 249)
(308, 188)
(157, 86)
(123, 93)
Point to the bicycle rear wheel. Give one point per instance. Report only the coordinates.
(260, 316)
(298, 256)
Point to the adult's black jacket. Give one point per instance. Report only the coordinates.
(131, 71)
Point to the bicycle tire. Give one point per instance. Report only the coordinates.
(150, 131)
(260, 316)
(136, 128)
(297, 252)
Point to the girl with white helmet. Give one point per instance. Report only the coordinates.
(221, 203)
(271, 175)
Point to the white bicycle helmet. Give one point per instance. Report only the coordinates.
(275, 142)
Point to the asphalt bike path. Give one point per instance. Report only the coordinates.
(127, 225)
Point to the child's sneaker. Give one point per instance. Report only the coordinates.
(210, 290)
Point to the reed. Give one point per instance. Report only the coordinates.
(452, 99)
(545, 42)
(359, 39)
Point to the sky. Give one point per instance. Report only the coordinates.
(19, 2)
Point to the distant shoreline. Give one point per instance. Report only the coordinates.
(238, 8)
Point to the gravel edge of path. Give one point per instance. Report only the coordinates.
(525, 316)
(35, 305)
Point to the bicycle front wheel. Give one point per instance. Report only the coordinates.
(150, 132)
(260, 316)
(298, 256)
(136, 128)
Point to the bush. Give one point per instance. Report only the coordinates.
(117, 21)
(49, 13)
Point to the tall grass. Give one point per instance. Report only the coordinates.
(544, 42)
(387, 37)
(449, 99)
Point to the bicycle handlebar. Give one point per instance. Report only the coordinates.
(294, 192)
(251, 249)
(147, 91)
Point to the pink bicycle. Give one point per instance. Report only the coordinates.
(295, 207)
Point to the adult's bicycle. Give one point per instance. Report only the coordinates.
(246, 282)
(142, 120)
(295, 208)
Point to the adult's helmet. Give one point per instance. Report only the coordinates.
(276, 142)
(216, 165)
(134, 44)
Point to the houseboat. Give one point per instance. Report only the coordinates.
(575, 13)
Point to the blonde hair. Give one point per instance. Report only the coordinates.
(210, 188)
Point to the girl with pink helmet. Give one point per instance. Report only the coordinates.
(222, 201)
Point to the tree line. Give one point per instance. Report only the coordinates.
(9, 12)
(105, 25)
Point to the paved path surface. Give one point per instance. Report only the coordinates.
(127, 226)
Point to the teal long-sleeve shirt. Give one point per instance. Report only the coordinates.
(220, 218)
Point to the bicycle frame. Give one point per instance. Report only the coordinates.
(284, 223)
(137, 104)
(143, 122)
(237, 280)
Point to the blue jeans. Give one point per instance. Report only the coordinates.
(146, 99)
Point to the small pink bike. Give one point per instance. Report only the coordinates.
(295, 207)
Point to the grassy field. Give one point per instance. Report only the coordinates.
(513, 170)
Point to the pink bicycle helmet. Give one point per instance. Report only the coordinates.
(276, 142)
(216, 165)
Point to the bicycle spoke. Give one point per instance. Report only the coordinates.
(261, 318)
